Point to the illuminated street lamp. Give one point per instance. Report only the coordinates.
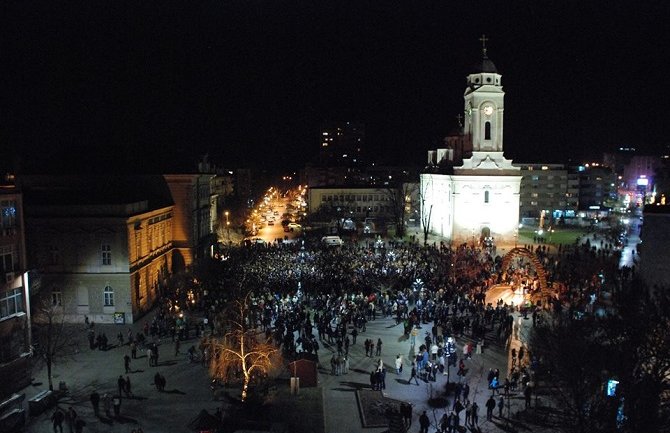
(226, 213)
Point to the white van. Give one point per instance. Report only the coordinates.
(332, 240)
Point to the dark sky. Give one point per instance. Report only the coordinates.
(150, 85)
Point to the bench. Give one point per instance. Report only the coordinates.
(41, 402)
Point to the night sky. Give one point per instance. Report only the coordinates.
(150, 86)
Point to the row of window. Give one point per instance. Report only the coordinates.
(355, 197)
(11, 302)
(105, 254)
(107, 295)
(359, 209)
(534, 203)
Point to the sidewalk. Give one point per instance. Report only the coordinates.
(341, 411)
(187, 390)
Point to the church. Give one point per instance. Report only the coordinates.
(469, 192)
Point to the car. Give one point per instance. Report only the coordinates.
(294, 226)
(332, 241)
(271, 223)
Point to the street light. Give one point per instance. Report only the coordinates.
(226, 213)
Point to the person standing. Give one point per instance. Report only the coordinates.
(127, 388)
(133, 350)
(121, 383)
(398, 364)
(468, 413)
(126, 363)
(379, 347)
(57, 419)
(413, 375)
(107, 403)
(70, 419)
(424, 423)
(157, 381)
(490, 405)
(95, 402)
(501, 405)
(406, 412)
(475, 414)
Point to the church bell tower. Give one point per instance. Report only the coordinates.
(484, 106)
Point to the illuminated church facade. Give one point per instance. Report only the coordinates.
(469, 191)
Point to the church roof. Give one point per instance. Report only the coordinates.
(485, 65)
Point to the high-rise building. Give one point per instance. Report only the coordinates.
(341, 143)
(545, 189)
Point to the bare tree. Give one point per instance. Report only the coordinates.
(52, 336)
(631, 345)
(426, 214)
(401, 201)
(242, 348)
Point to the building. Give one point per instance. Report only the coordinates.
(654, 253)
(597, 188)
(547, 192)
(341, 144)
(14, 297)
(479, 197)
(374, 208)
(195, 214)
(101, 246)
(636, 174)
(353, 202)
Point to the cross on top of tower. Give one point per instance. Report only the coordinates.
(459, 117)
(483, 40)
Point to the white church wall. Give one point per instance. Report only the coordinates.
(472, 212)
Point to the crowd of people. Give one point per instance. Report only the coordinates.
(303, 300)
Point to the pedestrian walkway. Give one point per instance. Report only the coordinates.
(341, 413)
(186, 393)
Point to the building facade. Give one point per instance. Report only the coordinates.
(546, 191)
(102, 247)
(14, 297)
(195, 214)
(355, 202)
(479, 198)
(597, 188)
(654, 254)
(342, 144)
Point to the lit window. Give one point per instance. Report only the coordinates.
(7, 214)
(109, 296)
(106, 254)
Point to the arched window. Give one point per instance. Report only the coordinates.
(109, 296)
(486, 196)
(487, 131)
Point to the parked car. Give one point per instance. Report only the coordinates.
(332, 240)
